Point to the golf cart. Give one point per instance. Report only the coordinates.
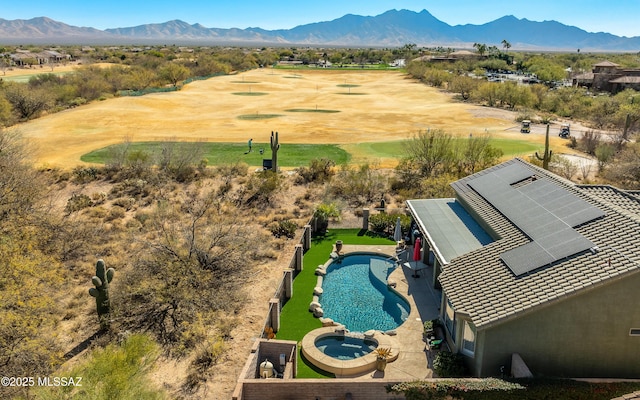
(564, 131)
(526, 126)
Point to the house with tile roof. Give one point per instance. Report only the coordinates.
(609, 77)
(529, 263)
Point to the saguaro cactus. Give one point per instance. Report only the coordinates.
(547, 153)
(101, 291)
(275, 146)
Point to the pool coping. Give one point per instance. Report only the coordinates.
(345, 368)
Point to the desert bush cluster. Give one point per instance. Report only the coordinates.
(181, 249)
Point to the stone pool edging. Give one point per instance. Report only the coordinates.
(345, 368)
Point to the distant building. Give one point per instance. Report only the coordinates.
(452, 57)
(609, 77)
(25, 57)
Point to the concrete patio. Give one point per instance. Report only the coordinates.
(415, 360)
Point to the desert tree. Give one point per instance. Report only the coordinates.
(173, 72)
(463, 85)
(192, 265)
(20, 185)
(625, 169)
(431, 151)
(27, 102)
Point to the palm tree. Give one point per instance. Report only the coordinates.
(481, 47)
(506, 45)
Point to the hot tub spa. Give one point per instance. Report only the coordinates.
(356, 362)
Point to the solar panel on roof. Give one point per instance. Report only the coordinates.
(513, 173)
(541, 209)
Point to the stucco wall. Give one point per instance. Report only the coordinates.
(586, 335)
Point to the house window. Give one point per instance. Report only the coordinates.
(634, 332)
(450, 320)
(468, 338)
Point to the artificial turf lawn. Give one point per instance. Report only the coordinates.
(289, 155)
(296, 320)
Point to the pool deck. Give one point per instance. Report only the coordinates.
(415, 360)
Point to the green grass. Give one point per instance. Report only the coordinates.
(258, 116)
(289, 155)
(313, 110)
(396, 149)
(296, 320)
(297, 155)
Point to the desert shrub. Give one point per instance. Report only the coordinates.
(319, 170)
(284, 228)
(386, 223)
(142, 217)
(206, 356)
(230, 171)
(262, 187)
(489, 388)
(589, 142)
(185, 173)
(116, 212)
(77, 202)
(136, 188)
(85, 174)
(449, 365)
(563, 166)
(359, 185)
(604, 153)
(323, 214)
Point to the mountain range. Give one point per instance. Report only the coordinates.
(391, 29)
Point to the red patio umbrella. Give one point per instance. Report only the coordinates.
(416, 257)
(416, 250)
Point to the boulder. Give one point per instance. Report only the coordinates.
(314, 306)
(327, 322)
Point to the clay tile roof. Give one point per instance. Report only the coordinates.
(480, 284)
(626, 79)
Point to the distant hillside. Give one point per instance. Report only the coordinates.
(390, 29)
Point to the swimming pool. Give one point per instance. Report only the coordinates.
(355, 294)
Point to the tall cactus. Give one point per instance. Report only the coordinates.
(101, 292)
(547, 153)
(275, 146)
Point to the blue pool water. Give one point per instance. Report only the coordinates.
(345, 347)
(355, 294)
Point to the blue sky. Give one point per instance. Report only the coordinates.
(619, 17)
